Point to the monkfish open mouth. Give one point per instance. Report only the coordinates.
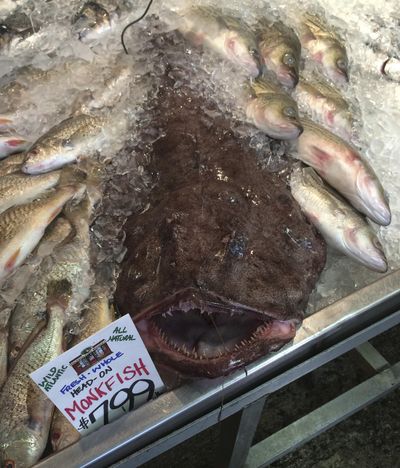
(203, 337)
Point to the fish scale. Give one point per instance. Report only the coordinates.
(26, 411)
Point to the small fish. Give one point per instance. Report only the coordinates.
(22, 227)
(225, 34)
(12, 164)
(25, 410)
(326, 105)
(91, 21)
(273, 111)
(97, 316)
(63, 144)
(340, 164)
(325, 47)
(10, 144)
(70, 260)
(17, 189)
(281, 49)
(341, 226)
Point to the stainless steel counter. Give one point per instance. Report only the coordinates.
(323, 336)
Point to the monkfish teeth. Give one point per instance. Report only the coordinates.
(341, 226)
(22, 227)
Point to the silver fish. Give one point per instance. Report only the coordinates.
(16, 189)
(325, 105)
(223, 33)
(341, 226)
(63, 144)
(71, 261)
(325, 47)
(22, 227)
(26, 411)
(340, 164)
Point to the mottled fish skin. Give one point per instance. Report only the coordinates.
(26, 411)
(10, 144)
(341, 226)
(97, 316)
(281, 50)
(340, 164)
(225, 34)
(71, 260)
(22, 227)
(326, 105)
(325, 47)
(17, 189)
(273, 111)
(91, 21)
(63, 144)
(12, 164)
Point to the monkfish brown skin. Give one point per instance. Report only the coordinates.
(220, 265)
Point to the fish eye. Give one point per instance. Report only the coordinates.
(289, 60)
(289, 111)
(341, 64)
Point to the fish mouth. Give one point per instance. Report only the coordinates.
(288, 78)
(207, 336)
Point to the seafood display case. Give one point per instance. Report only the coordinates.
(226, 176)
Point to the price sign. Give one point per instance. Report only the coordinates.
(102, 377)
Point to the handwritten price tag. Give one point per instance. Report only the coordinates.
(102, 377)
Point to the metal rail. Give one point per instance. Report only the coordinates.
(152, 429)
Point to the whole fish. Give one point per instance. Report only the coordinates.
(340, 164)
(223, 33)
(71, 261)
(25, 410)
(22, 227)
(91, 21)
(16, 189)
(326, 105)
(12, 164)
(63, 144)
(97, 316)
(341, 226)
(281, 49)
(325, 47)
(10, 144)
(273, 111)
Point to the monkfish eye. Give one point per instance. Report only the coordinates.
(290, 112)
(289, 60)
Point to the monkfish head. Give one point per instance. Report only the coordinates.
(201, 334)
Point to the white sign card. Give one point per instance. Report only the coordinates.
(101, 378)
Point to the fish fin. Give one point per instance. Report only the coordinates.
(59, 293)
(10, 264)
(34, 333)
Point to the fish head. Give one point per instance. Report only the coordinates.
(204, 335)
(23, 449)
(42, 158)
(284, 61)
(362, 244)
(372, 197)
(91, 21)
(242, 49)
(337, 64)
(277, 115)
(11, 144)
